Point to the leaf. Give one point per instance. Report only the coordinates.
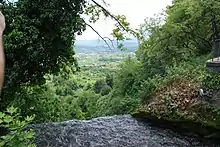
(7, 119)
(29, 119)
(29, 135)
(11, 110)
(2, 115)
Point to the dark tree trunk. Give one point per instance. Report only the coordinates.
(216, 48)
(216, 39)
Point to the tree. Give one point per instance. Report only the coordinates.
(105, 90)
(99, 84)
(109, 80)
(186, 31)
(39, 39)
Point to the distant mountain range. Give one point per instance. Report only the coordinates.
(86, 46)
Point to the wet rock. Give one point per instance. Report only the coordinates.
(115, 131)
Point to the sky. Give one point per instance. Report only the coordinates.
(135, 11)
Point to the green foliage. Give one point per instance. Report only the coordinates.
(87, 102)
(17, 135)
(67, 96)
(177, 47)
(186, 31)
(64, 84)
(109, 80)
(128, 77)
(193, 68)
(124, 97)
(46, 105)
(35, 42)
(105, 90)
(38, 39)
(211, 82)
(99, 84)
(116, 105)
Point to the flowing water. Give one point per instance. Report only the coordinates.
(115, 131)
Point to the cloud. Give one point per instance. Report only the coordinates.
(135, 11)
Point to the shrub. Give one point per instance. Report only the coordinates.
(211, 82)
(128, 77)
(48, 107)
(193, 68)
(17, 136)
(116, 105)
(109, 80)
(106, 90)
(124, 98)
(99, 84)
(87, 100)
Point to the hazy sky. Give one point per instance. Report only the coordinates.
(135, 11)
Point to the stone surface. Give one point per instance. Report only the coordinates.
(115, 131)
(215, 100)
(213, 65)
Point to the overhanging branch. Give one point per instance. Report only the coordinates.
(112, 42)
(103, 38)
(113, 17)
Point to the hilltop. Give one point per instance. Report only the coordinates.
(88, 46)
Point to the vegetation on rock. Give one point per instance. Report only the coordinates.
(172, 52)
(161, 81)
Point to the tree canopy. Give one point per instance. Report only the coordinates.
(39, 37)
(187, 30)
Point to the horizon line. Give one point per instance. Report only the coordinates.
(102, 40)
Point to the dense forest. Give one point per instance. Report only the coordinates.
(47, 81)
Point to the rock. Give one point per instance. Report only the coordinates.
(213, 65)
(115, 131)
(212, 98)
(212, 86)
(215, 100)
